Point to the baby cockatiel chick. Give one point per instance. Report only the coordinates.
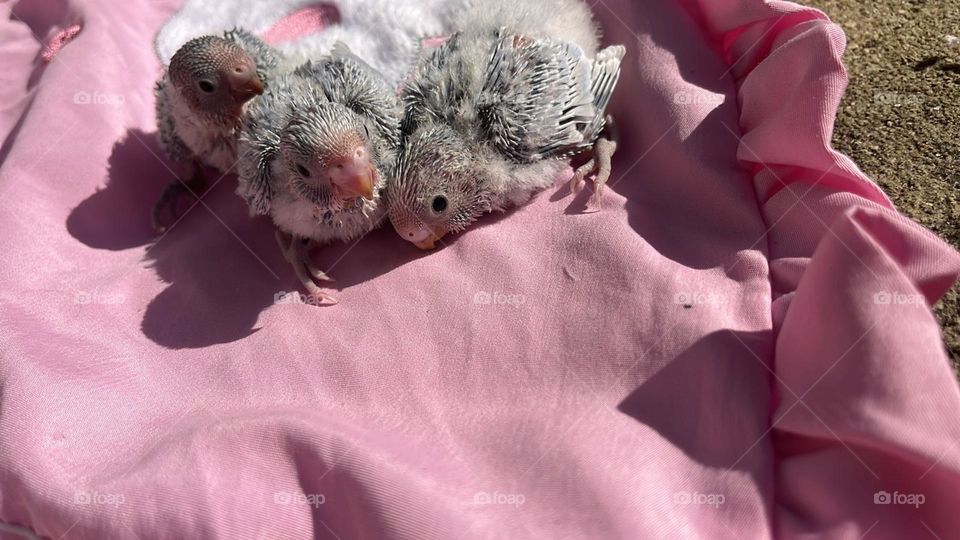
(493, 113)
(201, 99)
(316, 151)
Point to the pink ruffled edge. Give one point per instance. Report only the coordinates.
(762, 41)
(865, 400)
(752, 36)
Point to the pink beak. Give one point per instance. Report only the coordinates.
(353, 176)
(244, 82)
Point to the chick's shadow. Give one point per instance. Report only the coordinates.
(222, 267)
(117, 216)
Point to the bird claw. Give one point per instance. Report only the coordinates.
(599, 165)
(319, 274)
(171, 196)
(319, 297)
(297, 254)
(167, 202)
(580, 176)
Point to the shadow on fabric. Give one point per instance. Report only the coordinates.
(223, 268)
(117, 217)
(714, 387)
(41, 17)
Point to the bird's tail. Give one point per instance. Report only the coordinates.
(604, 75)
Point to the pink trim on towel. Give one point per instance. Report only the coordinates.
(430, 43)
(302, 22)
(57, 42)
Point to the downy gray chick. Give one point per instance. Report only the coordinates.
(493, 114)
(316, 152)
(201, 100)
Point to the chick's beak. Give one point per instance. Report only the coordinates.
(243, 82)
(353, 176)
(422, 237)
(427, 245)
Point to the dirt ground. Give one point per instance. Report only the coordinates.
(900, 118)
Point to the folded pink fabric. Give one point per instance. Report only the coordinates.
(739, 345)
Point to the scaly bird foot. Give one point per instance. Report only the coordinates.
(172, 195)
(297, 254)
(600, 163)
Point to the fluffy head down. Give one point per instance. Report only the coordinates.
(438, 189)
(215, 77)
(327, 156)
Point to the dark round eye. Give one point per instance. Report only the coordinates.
(303, 170)
(439, 204)
(206, 86)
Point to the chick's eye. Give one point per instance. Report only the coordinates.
(303, 170)
(206, 86)
(439, 204)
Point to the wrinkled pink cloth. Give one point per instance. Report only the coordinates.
(738, 346)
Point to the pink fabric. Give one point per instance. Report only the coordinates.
(302, 22)
(738, 346)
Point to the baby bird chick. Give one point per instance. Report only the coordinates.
(201, 101)
(493, 113)
(316, 152)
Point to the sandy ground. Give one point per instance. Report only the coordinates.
(900, 118)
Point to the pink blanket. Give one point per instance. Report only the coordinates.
(739, 346)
